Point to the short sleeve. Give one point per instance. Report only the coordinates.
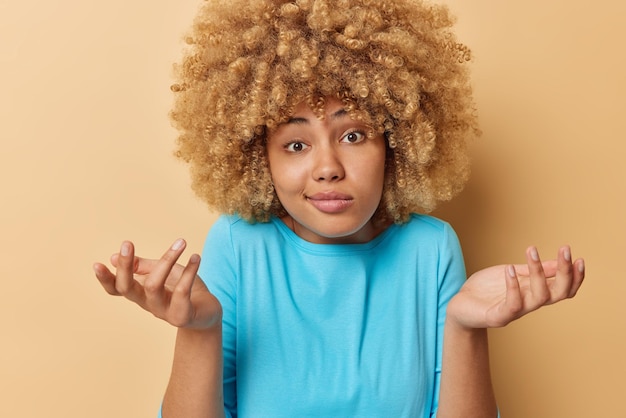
(218, 271)
(451, 276)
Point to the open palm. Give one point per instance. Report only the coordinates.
(498, 295)
(168, 290)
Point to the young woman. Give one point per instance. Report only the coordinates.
(324, 130)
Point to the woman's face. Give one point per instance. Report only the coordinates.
(327, 174)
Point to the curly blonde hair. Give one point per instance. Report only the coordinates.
(395, 64)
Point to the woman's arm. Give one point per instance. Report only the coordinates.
(494, 297)
(195, 386)
(176, 294)
(466, 389)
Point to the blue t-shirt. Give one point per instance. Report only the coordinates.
(332, 330)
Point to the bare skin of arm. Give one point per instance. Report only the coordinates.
(175, 294)
(491, 298)
(195, 386)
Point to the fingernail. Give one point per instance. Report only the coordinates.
(534, 254)
(177, 244)
(511, 270)
(567, 254)
(125, 250)
(581, 266)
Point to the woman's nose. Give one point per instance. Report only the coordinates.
(327, 165)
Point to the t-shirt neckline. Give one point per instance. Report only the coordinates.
(297, 241)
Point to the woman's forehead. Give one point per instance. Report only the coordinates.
(330, 105)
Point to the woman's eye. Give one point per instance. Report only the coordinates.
(295, 146)
(353, 137)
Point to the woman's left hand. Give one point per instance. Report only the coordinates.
(498, 295)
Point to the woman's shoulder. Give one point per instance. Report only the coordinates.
(235, 227)
(425, 230)
(428, 223)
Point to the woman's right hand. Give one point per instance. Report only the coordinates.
(168, 290)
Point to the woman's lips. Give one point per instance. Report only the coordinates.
(330, 202)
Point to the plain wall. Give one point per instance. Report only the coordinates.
(86, 162)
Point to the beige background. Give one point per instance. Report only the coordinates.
(86, 162)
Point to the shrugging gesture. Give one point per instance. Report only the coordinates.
(169, 291)
(498, 295)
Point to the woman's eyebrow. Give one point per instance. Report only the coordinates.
(339, 114)
(300, 120)
(297, 121)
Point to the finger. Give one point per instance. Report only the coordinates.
(538, 285)
(564, 275)
(549, 268)
(154, 284)
(115, 261)
(142, 266)
(106, 278)
(180, 306)
(125, 283)
(579, 276)
(513, 299)
(184, 285)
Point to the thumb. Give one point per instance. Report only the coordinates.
(140, 265)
